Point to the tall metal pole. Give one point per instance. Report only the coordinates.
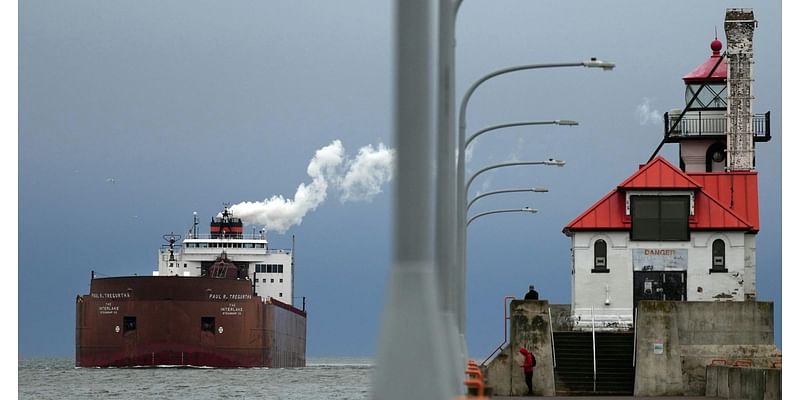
(445, 226)
(411, 359)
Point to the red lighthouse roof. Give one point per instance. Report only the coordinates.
(700, 74)
(723, 201)
(659, 174)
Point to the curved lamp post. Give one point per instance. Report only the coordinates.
(482, 195)
(510, 210)
(557, 163)
(460, 167)
(562, 122)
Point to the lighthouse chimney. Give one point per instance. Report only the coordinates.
(739, 26)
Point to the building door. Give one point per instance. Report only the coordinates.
(659, 285)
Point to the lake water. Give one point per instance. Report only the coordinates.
(323, 378)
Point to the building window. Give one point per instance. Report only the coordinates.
(659, 218)
(718, 256)
(207, 324)
(128, 324)
(281, 281)
(272, 281)
(600, 250)
(280, 294)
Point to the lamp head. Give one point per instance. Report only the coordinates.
(595, 63)
(539, 190)
(566, 122)
(558, 163)
(530, 210)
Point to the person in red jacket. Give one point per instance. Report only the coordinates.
(527, 367)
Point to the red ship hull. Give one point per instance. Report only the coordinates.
(185, 321)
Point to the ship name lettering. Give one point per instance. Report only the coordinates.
(119, 295)
(226, 296)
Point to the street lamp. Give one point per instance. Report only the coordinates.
(460, 274)
(510, 210)
(552, 162)
(482, 195)
(562, 122)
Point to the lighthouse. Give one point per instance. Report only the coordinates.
(685, 232)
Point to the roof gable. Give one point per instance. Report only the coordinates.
(659, 174)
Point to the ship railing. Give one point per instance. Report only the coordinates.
(242, 236)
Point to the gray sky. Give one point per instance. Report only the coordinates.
(134, 114)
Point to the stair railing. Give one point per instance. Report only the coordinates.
(594, 356)
(552, 337)
(506, 318)
(635, 330)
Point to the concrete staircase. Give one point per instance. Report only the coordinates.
(574, 372)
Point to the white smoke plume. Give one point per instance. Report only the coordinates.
(647, 114)
(367, 173)
(357, 179)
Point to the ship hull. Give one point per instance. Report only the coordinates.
(185, 321)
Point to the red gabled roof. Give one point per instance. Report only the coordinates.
(711, 209)
(737, 191)
(659, 174)
(606, 214)
(710, 214)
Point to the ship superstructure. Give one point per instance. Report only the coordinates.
(271, 271)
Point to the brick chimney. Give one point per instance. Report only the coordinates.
(739, 27)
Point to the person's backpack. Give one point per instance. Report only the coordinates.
(533, 358)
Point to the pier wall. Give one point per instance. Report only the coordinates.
(676, 341)
(729, 382)
(530, 327)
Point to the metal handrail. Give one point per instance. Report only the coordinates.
(506, 318)
(635, 324)
(700, 125)
(594, 356)
(552, 337)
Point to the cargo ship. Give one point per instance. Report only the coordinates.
(221, 300)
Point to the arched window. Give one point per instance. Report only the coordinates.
(600, 256)
(718, 256)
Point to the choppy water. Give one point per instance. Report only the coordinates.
(323, 378)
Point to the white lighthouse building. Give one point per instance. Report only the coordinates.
(685, 232)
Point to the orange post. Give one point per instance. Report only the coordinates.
(474, 382)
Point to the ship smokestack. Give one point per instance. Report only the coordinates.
(739, 26)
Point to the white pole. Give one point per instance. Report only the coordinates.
(411, 359)
(445, 227)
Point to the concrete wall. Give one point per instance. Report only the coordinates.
(530, 328)
(743, 383)
(675, 341)
(589, 289)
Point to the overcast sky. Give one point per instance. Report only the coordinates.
(134, 114)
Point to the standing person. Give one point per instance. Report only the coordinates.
(527, 368)
(532, 294)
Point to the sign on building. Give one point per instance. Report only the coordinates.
(660, 259)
